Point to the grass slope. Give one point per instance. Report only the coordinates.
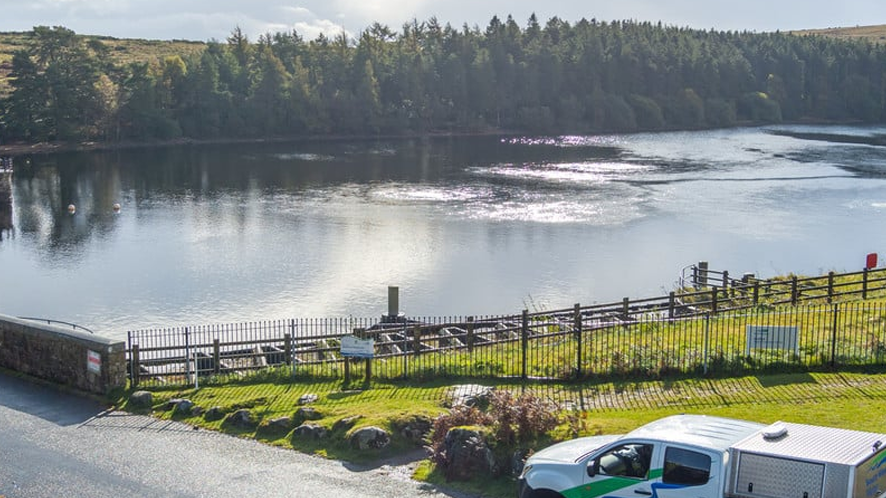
(123, 51)
(850, 400)
(875, 34)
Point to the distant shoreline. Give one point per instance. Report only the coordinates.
(24, 149)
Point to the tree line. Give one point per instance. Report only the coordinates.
(558, 77)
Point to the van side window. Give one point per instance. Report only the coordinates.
(687, 468)
(627, 460)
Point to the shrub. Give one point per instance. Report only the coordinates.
(511, 423)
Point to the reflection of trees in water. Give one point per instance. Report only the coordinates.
(5, 197)
(46, 185)
(5, 219)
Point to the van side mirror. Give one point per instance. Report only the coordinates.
(593, 468)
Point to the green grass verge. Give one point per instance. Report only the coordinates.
(850, 400)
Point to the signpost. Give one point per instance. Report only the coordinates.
(353, 346)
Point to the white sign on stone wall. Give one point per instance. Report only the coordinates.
(93, 362)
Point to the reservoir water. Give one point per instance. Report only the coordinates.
(464, 226)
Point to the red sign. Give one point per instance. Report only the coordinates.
(871, 261)
(93, 362)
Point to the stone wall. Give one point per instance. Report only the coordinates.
(72, 358)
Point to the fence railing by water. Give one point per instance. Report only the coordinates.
(732, 329)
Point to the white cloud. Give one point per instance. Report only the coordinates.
(297, 11)
(361, 13)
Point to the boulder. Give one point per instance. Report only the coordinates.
(181, 406)
(369, 438)
(470, 395)
(467, 454)
(241, 419)
(309, 431)
(280, 423)
(214, 413)
(415, 429)
(307, 399)
(345, 424)
(306, 413)
(141, 399)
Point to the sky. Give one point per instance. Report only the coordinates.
(203, 20)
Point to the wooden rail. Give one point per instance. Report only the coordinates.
(214, 350)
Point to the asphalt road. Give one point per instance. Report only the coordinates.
(56, 444)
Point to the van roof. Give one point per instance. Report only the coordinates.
(697, 430)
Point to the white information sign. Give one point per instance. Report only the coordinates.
(93, 362)
(772, 337)
(355, 347)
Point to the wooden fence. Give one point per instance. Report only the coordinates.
(701, 330)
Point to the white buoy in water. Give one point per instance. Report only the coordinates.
(116, 207)
(72, 208)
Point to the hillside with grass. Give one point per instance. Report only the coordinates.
(122, 51)
(875, 34)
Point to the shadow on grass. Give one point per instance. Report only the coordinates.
(785, 380)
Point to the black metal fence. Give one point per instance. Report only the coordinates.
(558, 345)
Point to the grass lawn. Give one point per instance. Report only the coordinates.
(848, 400)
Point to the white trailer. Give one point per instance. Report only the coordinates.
(693, 456)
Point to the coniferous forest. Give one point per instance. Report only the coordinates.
(556, 77)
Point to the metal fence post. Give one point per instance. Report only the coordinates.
(834, 337)
(524, 339)
(707, 333)
(577, 328)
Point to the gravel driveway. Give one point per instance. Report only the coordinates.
(56, 444)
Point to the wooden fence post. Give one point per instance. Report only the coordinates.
(726, 285)
(864, 284)
(756, 292)
(626, 308)
(416, 340)
(672, 299)
(524, 340)
(830, 286)
(287, 348)
(470, 334)
(576, 327)
(714, 291)
(795, 293)
(216, 356)
(135, 366)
